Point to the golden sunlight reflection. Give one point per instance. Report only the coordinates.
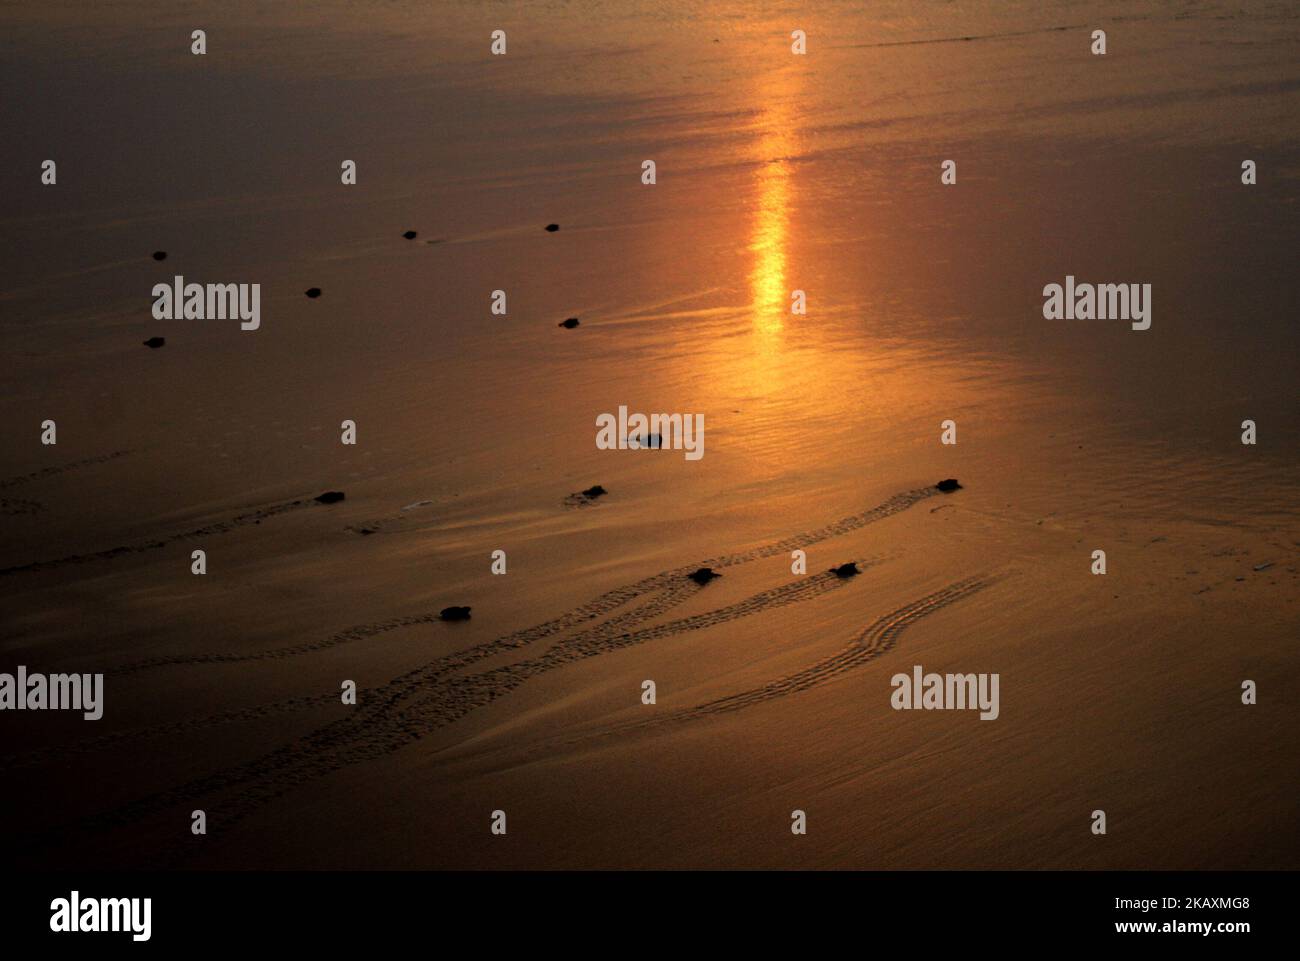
(767, 281)
(770, 296)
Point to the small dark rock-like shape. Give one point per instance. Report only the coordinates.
(410, 235)
(455, 614)
(330, 497)
(703, 575)
(570, 323)
(846, 570)
(552, 228)
(594, 491)
(160, 255)
(949, 485)
(155, 342)
(313, 292)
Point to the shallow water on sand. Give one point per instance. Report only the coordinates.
(775, 173)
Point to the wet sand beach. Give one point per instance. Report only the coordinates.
(476, 433)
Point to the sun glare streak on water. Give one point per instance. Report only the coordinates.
(768, 291)
(767, 280)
